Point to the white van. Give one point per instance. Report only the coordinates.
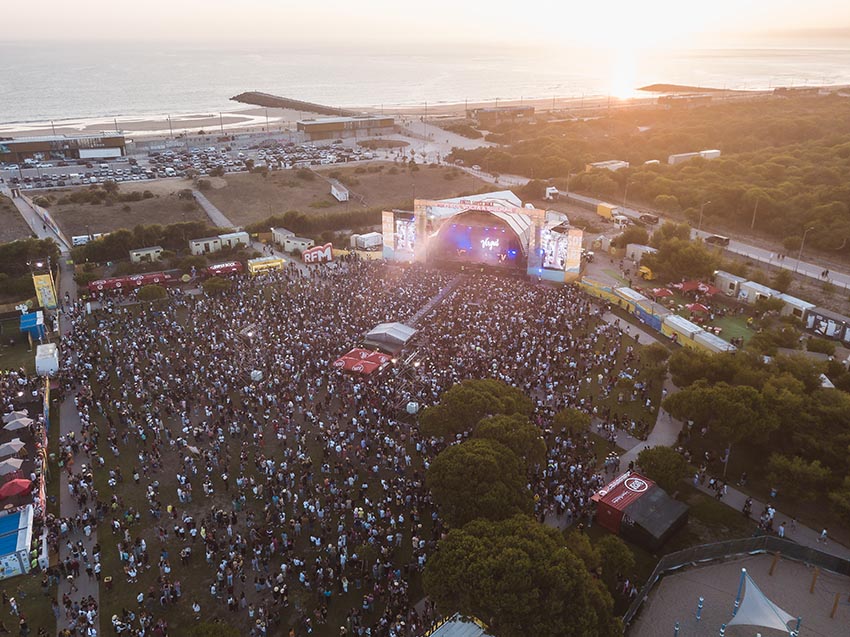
(103, 166)
(169, 172)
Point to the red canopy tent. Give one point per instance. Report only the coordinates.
(659, 292)
(15, 487)
(697, 307)
(696, 286)
(361, 361)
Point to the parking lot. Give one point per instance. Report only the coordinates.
(276, 155)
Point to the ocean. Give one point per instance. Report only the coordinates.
(40, 82)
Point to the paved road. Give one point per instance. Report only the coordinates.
(216, 216)
(32, 219)
(69, 421)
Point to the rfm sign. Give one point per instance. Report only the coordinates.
(318, 254)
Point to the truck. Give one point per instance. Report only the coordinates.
(551, 193)
(607, 210)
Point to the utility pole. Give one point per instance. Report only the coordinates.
(53, 127)
(755, 210)
(802, 243)
(221, 122)
(701, 208)
(171, 130)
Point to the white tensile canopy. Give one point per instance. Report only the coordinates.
(14, 415)
(757, 610)
(11, 448)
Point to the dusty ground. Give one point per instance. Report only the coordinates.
(250, 197)
(12, 225)
(675, 599)
(164, 208)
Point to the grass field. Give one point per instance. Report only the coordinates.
(248, 198)
(14, 347)
(12, 225)
(164, 208)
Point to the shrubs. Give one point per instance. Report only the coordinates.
(821, 346)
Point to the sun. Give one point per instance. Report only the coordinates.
(622, 73)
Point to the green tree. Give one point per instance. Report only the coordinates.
(632, 234)
(663, 465)
(518, 434)
(733, 413)
(840, 499)
(572, 421)
(616, 558)
(149, 293)
(677, 258)
(797, 476)
(519, 577)
(782, 280)
(478, 478)
(465, 404)
(216, 285)
(110, 186)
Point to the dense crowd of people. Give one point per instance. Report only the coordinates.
(298, 498)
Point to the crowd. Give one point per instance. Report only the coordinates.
(287, 501)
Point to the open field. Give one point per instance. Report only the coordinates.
(12, 225)
(249, 198)
(164, 208)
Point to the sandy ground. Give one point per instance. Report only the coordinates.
(675, 599)
(12, 225)
(244, 119)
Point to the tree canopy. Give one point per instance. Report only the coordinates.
(784, 163)
(518, 434)
(664, 465)
(519, 577)
(465, 404)
(479, 478)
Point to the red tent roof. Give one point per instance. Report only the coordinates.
(623, 490)
(698, 286)
(657, 292)
(697, 307)
(361, 361)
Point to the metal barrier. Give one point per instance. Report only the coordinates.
(735, 548)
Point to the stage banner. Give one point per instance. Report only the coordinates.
(572, 265)
(44, 290)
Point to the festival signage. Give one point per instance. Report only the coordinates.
(44, 290)
(318, 254)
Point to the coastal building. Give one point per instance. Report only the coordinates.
(279, 235)
(728, 283)
(341, 127)
(146, 254)
(61, 147)
(679, 158)
(612, 164)
(204, 245)
(208, 245)
(489, 116)
(293, 243)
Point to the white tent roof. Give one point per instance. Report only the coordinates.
(393, 336)
(757, 610)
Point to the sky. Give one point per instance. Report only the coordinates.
(632, 24)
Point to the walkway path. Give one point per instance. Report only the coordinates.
(69, 421)
(435, 300)
(35, 223)
(217, 217)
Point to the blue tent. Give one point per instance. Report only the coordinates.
(33, 324)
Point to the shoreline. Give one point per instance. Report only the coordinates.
(243, 118)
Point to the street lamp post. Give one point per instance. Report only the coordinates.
(701, 209)
(625, 193)
(802, 243)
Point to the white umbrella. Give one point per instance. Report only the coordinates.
(11, 448)
(20, 423)
(14, 415)
(10, 466)
(194, 450)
